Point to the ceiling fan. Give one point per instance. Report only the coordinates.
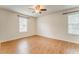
(38, 9)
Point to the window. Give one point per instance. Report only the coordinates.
(22, 24)
(73, 24)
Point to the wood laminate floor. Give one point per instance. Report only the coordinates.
(38, 45)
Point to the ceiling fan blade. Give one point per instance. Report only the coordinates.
(43, 9)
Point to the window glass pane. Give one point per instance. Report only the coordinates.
(22, 24)
(73, 24)
(73, 19)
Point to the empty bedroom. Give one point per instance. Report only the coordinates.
(39, 29)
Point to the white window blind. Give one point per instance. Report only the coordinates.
(73, 24)
(22, 24)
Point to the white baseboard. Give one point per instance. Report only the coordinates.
(77, 42)
(13, 38)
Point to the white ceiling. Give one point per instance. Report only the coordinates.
(24, 9)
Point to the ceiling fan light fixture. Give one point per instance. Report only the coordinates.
(39, 8)
(42, 7)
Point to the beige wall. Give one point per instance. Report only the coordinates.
(55, 26)
(9, 26)
(52, 26)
